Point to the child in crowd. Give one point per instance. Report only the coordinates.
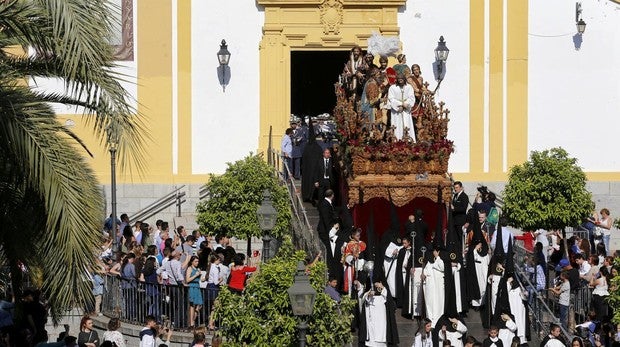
(563, 291)
(493, 339)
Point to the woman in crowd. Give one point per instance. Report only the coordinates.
(127, 239)
(204, 258)
(112, 334)
(577, 342)
(88, 336)
(192, 278)
(238, 274)
(129, 285)
(600, 293)
(152, 281)
(604, 223)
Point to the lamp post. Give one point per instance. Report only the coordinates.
(223, 57)
(441, 55)
(302, 297)
(267, 216)
(113, 144)
(581, 25)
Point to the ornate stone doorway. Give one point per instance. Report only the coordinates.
(312, 25)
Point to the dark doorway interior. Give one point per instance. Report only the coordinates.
(313, 74)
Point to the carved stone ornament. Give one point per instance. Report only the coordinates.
(365, 187)
(124, 51)
(331, 16)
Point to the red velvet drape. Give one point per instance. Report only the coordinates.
(380, 209)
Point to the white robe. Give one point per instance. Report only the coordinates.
(405, 97)
(417, 293)
(506, 334)
(482, 269)
(390, 260)
(456, 273)
(455, 337)
(554, 343)
(434, 290)
(517, 308)
(376, 316)
(494, 280)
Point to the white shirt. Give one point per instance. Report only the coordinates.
(584, 268)
(287, 145)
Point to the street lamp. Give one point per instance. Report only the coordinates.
(441, 55)
(267, 216)
(113, 144)
(302, 297)
(581, 26)
(223, 57)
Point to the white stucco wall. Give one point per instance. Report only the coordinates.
(574, 95)
(224, 124)
(422, 22)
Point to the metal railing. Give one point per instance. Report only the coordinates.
(578, 231)
(542, 307)
(176, 197)
(304, 236)
(131, 301)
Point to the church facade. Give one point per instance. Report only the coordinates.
(518, 78)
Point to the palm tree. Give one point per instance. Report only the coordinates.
(50, 202)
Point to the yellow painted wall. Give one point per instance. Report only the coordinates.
(300, 25)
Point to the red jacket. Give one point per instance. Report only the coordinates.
(528, 240)
(237, 277)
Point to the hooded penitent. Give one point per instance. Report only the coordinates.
(311, 157)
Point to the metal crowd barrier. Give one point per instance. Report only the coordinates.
(543, 308)
(131, 301)
(578, 231)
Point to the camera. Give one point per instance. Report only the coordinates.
(483, 190)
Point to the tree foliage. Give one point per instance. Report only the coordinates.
(548, 192)
(234, 197)
(614, 295)
(263, 316)
(50, 202)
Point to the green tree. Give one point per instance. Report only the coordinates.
(548, 191)
(263, 316)
(614, 294)
(49, 197)
(234, 197)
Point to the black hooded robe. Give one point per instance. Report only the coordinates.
(403, 287)
(311, 157)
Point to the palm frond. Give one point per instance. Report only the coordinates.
(32, 140)
(81, 30)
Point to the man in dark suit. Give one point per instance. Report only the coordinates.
(333, 258)
(324, 174)
(460, 202)
(327, 216)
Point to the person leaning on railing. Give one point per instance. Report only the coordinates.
(239, 274)
(600, 293)
(536, 268)
(129, 285)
